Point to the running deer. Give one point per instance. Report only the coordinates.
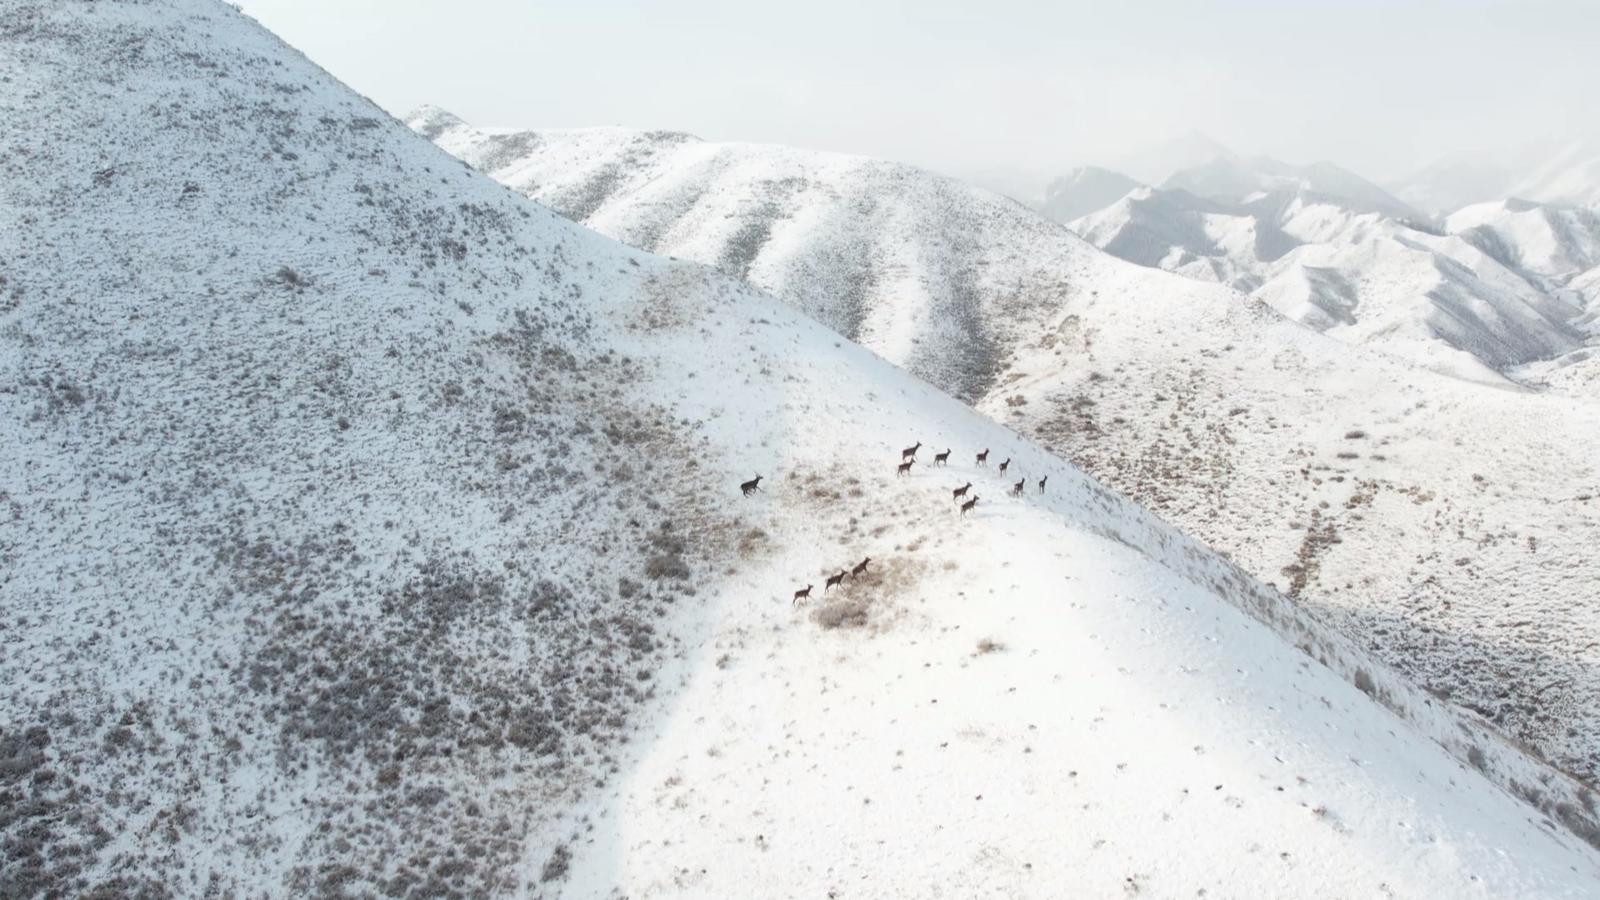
(940, 459)
(860, 567)
(983, 458)
(911, 452)
(1004, 464)
(969, 504)
(1041, 483)
(802, 595)
(904, 467)
(751, 486)
(960, 492)
(1016, 489)
(833, 581)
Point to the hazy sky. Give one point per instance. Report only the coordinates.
(999, 85)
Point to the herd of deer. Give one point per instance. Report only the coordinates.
(908, 458)
(833, 581)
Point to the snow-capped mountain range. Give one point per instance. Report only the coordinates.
(373, 530)
(1304, 458)
(1487, 292)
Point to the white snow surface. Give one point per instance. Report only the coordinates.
(1306, 459)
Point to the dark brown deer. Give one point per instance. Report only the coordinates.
(860, 568)
(1004, 464)
(904, 468)
(1041, 483)
(1016, 489)
(960, 492)
(983, 458)
(833, 580)
(751, 486)
(911, 452)
(940, 459)
(802, 595)
(969, 505)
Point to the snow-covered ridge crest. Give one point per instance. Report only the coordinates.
(374, 531)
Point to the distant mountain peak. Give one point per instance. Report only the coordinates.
(1085, 190)
(1238, 180)
(1156, 162)
(432, 121)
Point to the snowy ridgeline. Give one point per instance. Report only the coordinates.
(1493, 288)
(1305, 459)
(1490, 272)
(372, 530)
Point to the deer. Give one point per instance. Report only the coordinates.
(1004, 465)
(904, 468)
(960, 492)
(1016, 489)
(1041, 483)
(833, 581)
(983, 458)
(751, 486)
(940, 459)
(969, 505)
(860, 567)
(802, 595)
(910, 452)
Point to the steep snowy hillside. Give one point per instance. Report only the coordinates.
(1229, 419)
(371, 533)
(1082, 191)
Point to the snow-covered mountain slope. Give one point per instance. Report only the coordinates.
(1479, 298)
(1142, 377)
(941, 277)
(369, 531)
(1082, 191)
(1181, 233)
(1558, 244)
(1455, 304)
(1339, 255)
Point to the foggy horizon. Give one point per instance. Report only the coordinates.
(1021, 88)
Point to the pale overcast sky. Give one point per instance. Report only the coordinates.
(1381, 87)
